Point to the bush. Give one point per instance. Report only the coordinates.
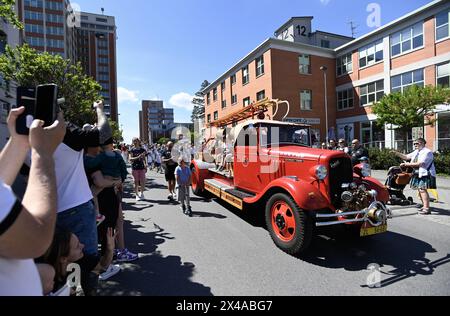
(442, 162)
(383, 159)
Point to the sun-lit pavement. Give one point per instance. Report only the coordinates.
(222, 252)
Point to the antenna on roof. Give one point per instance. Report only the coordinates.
(103, 11)
(353, 27)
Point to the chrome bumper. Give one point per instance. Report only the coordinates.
(383, 213)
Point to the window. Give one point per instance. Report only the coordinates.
(345, 99)
(35, 41)
(245, 75)
(234, 99)
(371, 54)
(261, 95)
(442, 25)
(4, 111)
(304, 62)
(406, 40)
(215, 94)
(103, 60)
(55, 43)
(259, 66)
(233, 79)
(401, 82)
(3, 42)
(208, 98)
(372, 135)
(216, 116)
(33, 28)
(54, 5)
(371, 93)
(55, 18)
(34, 3)
(222, 86)
(305, 100)
(209, 118)
(31, 15)
(325, 43)
(55, 30)
(224, 104)
(443, 75)
(444, 131)
(103, 77)
(344, 64)
(101, 20)
(246, 102)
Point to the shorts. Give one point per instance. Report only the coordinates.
(170, 173)
(424, 183)
(139, 176)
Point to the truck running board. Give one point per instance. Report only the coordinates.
(227, 193)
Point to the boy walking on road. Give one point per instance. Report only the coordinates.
(183, 175)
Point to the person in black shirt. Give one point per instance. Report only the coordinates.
(171, 165)
(139, 166)
(357, 152)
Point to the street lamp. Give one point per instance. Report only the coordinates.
(324, 69)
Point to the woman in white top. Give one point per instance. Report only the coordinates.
(424, 179)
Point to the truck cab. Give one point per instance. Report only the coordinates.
(297, 187)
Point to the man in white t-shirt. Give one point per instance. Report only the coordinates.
(76, 211)
(27, 228)
(424, 178)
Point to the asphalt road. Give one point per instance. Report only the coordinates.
(222, 252)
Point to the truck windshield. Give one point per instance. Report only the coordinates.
(284, 135)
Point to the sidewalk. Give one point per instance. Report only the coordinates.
(443, 185)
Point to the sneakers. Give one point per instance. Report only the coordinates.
(170, 197)
(109, 273)
(138, 198)
(188, 212)
(126, 256)
(142, 196)
(100, 219)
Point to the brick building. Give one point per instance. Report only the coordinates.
(414, 49)
(155, 121)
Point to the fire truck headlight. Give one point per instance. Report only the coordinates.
(321, 172)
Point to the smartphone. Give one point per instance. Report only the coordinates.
(26, 97)
(46, 103)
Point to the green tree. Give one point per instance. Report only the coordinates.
(199, 103)
(8, 13)
(116, 132)
(412, 108)
(26, 67)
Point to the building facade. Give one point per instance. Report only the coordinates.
(46, 29)
(96, 50)
(415, 49)
(12, 37)
(155, 121)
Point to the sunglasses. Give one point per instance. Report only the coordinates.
(416, 144)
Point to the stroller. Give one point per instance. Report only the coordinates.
(396, 183)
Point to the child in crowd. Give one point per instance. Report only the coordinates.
(184, 178)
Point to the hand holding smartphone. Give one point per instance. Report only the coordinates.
(26, 97)
(46, 103)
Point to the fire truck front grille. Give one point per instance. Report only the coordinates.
(341, 171)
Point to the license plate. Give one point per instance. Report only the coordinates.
(373, 230)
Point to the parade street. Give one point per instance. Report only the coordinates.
(222, 252)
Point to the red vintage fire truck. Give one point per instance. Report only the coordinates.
(272, 166)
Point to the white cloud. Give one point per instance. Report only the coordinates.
(182, 100)
(325, 2)
(125, 95)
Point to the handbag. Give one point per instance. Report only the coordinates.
(403, 178)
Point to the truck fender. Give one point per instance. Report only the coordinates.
(200, 174)
(307, 196)
(374, 184)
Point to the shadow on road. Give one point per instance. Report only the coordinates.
(405, 254)
(153, 274)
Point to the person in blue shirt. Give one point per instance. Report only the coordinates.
(184, 179)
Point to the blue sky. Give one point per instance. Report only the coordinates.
(166, 48)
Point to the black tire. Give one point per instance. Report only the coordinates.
(302, 236)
